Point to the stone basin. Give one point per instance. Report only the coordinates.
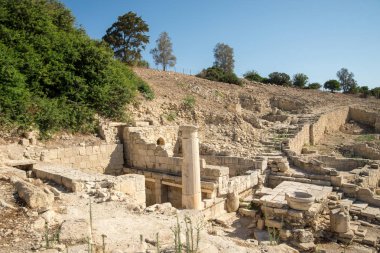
(299, 200)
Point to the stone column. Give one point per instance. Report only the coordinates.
(191, 174)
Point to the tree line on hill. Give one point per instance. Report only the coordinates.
(126, 37)
(53, 77)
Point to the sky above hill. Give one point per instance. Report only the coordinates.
(292, 36)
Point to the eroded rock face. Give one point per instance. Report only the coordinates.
(34, 197)
(232, 202)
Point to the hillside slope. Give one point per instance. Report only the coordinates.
(233, 119)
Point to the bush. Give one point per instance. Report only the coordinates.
(332, 85)
(314, 86)
(218, 75)
(189, 102)
(300, 80)
(364, 91)
(376, 92)
(279, 79)
(53, 76)
(253, 76)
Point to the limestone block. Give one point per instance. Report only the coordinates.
(273, 223)
(340, 220)
(247, 212)
(34, 196)
(336, 181)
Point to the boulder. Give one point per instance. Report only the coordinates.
(33, 196)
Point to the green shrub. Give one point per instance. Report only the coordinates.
(314, 86)
(364, 91)
(171, 116)
(300, 80)
(53, 76)
(189, 102)
(376, 92)
(279, 79)
(145, 90)
(218, 75)
(253, 76)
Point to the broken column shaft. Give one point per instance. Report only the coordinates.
(191, 178)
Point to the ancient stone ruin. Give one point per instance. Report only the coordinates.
(291, 194)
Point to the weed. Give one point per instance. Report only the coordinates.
(189, 102)
(157, 243)
(273, 233)
(90, 210)
(366, 137)
(182, 85)
(171, 116)
(104, 244)
(192, 236)
(47, 241)
(219, 94)
(89, 248)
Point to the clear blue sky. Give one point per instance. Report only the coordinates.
(292, 36)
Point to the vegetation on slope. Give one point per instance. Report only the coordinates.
(52, 75)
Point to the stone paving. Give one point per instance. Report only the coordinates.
(276, 197)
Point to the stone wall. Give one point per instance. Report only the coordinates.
(75, 180)
(300, 139)
(104, 158)
(237, 165)
(342, 164)
(328, 122)
(152, 148)
(365, 151)
(368, 118)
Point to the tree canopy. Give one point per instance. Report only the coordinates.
(253, 76)
(279, 79)
(52, 75)
(347, 81)
(300, 80)
(332, 85)
(224, 57)
(314, 86)
(163, 52)
(127, 37)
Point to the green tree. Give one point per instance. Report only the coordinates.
(376, 92)
(253, 76)
(163, 52)
(52, 75)
(332, 85)
(364, 90)
(218, 75)
(127, 37)
(224, 57)
(314, 86)
(279, 79)
(347, 81)
(300, 80)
